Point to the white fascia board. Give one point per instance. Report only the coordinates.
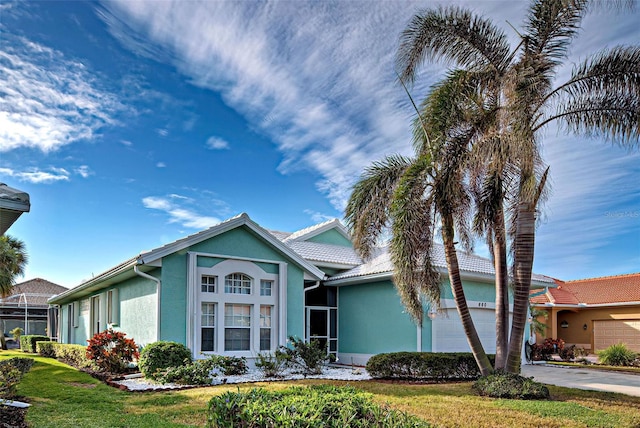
(243, 219)
(586, 305)
(333, 224)
(331, 265)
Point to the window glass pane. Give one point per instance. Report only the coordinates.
(207, 339)
(208, 315)
(265, 316)
(208, 284)
(237, 339)
(265, 339)
(266, 287)
(237, 315)
(237, 283)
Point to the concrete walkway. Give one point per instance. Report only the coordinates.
(583, 378)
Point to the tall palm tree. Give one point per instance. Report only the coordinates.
(412, 195)
(601, 98)
(13, 258)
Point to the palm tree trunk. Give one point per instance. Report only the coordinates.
(502, 289)
(523, 265)
(461, 302)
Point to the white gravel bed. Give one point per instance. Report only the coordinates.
(333, 373)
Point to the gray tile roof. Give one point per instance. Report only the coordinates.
(317, 252)
(37, 291)
(309, 230)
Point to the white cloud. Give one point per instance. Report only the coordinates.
(48, 101)
(126, 143)
(162, 132)
(178, 214)
(37, 176)
(216, 143)
(317, 217)
(161, 165)
(84, 171)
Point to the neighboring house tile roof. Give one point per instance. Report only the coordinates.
(37, 291)
(593, 291)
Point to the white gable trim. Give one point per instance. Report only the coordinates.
(233, 223)
(310, 232)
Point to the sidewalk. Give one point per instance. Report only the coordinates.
(582, 378)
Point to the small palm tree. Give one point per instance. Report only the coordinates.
(13, 258)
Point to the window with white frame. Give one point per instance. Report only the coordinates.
(265, 328)
(207, 327)
(208, 283)
(237, 283)
(237, 331)
(113, 306)
(265, 287)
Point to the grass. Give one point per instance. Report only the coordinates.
(64, 397)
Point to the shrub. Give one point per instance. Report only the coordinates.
(46, 349)
(544, 350)
(11, 372)
(510, 385)
(111, 351)
(617, 355)
(28, 342)
(74, 355)
(307, 356)
(315, 406)
(271, 365)
(162, 355)
(425, 365)
(229, 366)
(16, 333)
(198, 372)
(567, 353)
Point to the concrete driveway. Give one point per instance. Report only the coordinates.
(582, 378)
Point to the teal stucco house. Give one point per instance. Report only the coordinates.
(240, 289)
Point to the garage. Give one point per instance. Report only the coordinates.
(610, 332)
(448, 334)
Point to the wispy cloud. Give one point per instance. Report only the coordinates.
(161, 165)
(216, 143)
(84, 171)
(178, 213)
(317, 217)
(37, 176)
(47, 100)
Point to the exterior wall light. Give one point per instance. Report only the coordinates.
(564, 324)
(433, 313)
(584, 327)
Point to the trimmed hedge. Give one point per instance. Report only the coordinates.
(510, 385)
(28, 342)
(425, 366)
(74, 355)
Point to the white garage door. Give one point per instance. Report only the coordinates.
(610, 332)
(448, 334)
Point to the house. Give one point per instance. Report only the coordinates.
(239, 289)
(13, 203)
(26, 307)
(594, 313)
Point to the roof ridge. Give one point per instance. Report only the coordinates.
(302, 232)
(596, 278)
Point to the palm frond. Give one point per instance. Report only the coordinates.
(367, 210)
(451, 34)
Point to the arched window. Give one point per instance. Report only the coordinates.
(237, 283)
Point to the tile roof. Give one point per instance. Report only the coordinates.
(317, 252)
(37, 291)
(315, 229)
(594, 291)
(380, 262)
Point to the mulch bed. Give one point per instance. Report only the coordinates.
(12, 417)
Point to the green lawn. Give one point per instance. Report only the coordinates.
(64, 397)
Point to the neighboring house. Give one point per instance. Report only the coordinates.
(13, 203)
(239, 289)
(28, 309)
(594, 313)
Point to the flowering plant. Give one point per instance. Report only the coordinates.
(111, 351)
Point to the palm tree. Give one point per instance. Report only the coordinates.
(412, 194)
(601, 98)
(13, 258)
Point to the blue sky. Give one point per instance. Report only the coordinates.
(134, 123)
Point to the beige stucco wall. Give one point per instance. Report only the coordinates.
(577, 318)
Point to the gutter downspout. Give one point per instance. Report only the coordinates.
(158, 290)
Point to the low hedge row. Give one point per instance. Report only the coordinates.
(28, 342)
(425, 365)
(74, 355)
